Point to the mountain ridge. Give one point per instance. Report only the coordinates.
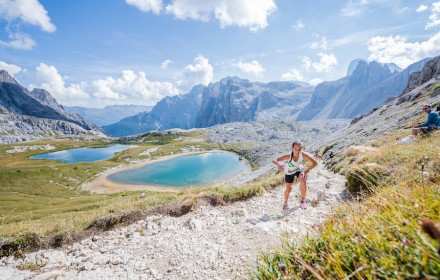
(37, 109)
(369, 86)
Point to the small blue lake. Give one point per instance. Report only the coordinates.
(184, 171)
(84, 154)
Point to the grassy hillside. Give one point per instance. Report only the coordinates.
(45, 196)
(378, 234)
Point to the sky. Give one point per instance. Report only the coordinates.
(107, 52)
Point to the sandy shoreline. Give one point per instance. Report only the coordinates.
(102, 185)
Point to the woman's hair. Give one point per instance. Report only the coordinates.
(293, 146)
(296, 143)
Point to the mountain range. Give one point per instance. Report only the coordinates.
(366, 86)
(231, 99)
(109, 114)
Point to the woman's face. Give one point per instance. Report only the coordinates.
(296, 149)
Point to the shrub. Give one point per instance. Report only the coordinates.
(58, 239)
(365, 178)
(18, 246)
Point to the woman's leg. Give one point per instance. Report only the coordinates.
(303, 184)
(287, 192)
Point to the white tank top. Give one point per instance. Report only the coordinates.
(291, 166)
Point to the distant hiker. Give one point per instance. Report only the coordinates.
(433, 121)
(331, 155)
(319, 155)
(293, 169)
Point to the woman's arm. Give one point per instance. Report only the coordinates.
(282, 158)
(312, 160)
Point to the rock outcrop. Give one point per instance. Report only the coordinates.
(19, 128)
(430, 69)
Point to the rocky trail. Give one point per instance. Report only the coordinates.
(222, 242)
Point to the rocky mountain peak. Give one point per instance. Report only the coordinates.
(353, 65)
(230, 80)
(45, 98)
(6, 78)
(369, 74)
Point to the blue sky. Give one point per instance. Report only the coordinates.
(103, 52)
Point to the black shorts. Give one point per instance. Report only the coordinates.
(290, 178)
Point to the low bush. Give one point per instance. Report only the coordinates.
(18, 245)
(367, 177)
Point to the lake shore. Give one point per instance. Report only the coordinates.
(103, 185)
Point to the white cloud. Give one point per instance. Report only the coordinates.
(402, 11)
(320, 44)
(129, 88)
(422, 8)
(133, 87)
(326, 63)
(201, 72)
(434, 18)
(19, 41)
(298, 25)
(353, 8)
(10, 68)
(398, 50)
(154, 6)
(244, 13)
(28, 11)
(292, 74)
(315, 81)
(48, 78)
(165, 64)
(252, 68)
(24, 11)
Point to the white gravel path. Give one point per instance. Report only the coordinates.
(221, 242)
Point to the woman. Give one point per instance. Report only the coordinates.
(293, 169)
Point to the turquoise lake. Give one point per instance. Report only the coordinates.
(84, 154)
(184, 171)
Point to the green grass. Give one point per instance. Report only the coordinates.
(434, 87)
(381, 237)
(45, 197)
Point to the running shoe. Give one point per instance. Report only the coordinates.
(285, 207)
(303, 204)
